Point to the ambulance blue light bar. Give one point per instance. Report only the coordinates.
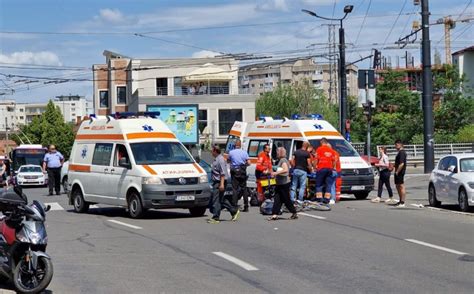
(315, 116)
(152, 114)
(124, 114)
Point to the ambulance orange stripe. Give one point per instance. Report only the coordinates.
(323, 133)
(160, 135)
(275, 134)
(200, 170)
(235, 133)
(149, 169)
(110, 127)
(80, 168)
(99, 137)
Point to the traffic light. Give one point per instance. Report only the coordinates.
(377, 58)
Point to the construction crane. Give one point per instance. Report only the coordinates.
(450, 24)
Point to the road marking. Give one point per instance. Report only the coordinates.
(94, 206)
(436, 247)
(54, 206)
(311, 215)
(124, 224)
(235, 260)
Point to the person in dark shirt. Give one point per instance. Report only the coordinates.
(301, 162)
(400, 168)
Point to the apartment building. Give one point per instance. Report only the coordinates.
(464, 60)
(138, 85)
(264, 77)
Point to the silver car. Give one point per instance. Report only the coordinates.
(452, 181)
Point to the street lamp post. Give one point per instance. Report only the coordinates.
(342, 66)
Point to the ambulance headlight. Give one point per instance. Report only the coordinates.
(152, 181)
(203, 179)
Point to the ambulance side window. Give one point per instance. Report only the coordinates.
(102, 154)
(285, 143)
(230, 145)
(120, 152)
(255, 147)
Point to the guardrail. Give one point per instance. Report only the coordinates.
(416, 152)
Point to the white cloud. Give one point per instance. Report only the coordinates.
(28, 57)
(320, 2)
(273, 5)
(111, 15)
(204, 54)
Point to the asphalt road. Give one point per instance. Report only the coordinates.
(358, 247)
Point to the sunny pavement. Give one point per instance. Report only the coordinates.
(358, 247)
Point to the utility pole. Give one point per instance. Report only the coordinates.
(332, 55)
(427, 89)
(6, 134)
(343, 81)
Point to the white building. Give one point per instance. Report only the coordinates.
(464, 60)
(11, 115)
(73, 106)
(128, 84)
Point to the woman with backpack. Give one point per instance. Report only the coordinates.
(385, 172)
(282, 189)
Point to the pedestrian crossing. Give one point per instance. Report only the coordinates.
(57, 207)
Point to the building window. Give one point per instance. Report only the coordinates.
(104, 99)
(21, 117)
(73, 109)
(21, 109)
(162, 86)
(227, 117)
(121, 95)
(73, 104)
(202, 120)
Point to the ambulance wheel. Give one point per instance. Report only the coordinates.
(80, 205)
(197, 211)
(361, 195)
(135, 207)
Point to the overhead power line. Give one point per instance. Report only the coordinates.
(395, 22)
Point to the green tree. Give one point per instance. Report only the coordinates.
(466, 134)
(302, 98)
(50, 128)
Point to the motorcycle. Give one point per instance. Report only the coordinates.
(23, 241)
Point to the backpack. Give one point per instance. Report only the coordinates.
(253, 197)
(266, 207)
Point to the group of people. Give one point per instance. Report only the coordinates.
(385, 171)
(197, 89)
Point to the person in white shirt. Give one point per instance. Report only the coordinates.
(384, 177)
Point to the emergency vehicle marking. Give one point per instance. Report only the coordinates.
(150, 170)
(80, 168)
(199, 169)
(99, 137)
(275, 134)
(235, 133)
(322, 133)
(178, 172)
(147, 128)
(162, 135)
(110, 127)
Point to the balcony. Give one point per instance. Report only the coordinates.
(202, 90)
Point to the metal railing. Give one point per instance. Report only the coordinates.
(211, 90)
(416, 152)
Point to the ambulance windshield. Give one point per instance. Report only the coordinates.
(160, 153)
(341, 146)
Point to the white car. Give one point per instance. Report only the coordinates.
(29, 175)
(64, 170)
(452, 181)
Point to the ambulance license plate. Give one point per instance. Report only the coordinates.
(185, 198)
(357, 188)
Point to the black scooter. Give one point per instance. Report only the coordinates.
(23, 241)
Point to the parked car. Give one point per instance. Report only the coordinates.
(64, 170)
(452, 181)
(30, 175)
(373, 161)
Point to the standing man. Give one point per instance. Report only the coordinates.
(52, 163)
(301, 163)
(219, 178)
(326, 164)
(239, 160)
(400, 168)
(263, 168)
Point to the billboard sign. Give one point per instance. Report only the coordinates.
(181, 119)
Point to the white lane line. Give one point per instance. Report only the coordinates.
(54, 206)
(436, 247)
(124, 224)
(235, 260)
(311, 215)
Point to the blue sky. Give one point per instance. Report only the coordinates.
(202, 25)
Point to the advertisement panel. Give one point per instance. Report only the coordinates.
(181, 119)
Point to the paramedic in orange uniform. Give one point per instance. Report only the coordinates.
(263, 168)
(326, 164)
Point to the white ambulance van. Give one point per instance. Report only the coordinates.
(137, 163)
(357, 176)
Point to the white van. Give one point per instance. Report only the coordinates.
(357, 176)
(137, 163)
